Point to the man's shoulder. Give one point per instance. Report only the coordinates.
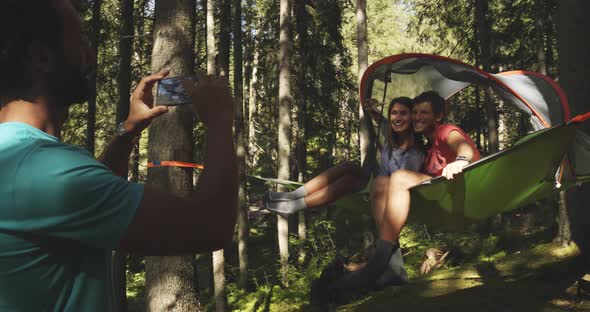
(56, 160)
(444, 130)
(449, 127)
(58, 152)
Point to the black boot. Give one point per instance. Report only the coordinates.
(394, 274)
(365, 278)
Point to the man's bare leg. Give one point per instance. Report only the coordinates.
(398, 202)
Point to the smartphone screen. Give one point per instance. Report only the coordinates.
(171, 92)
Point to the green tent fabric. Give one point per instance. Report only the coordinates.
(501, 182)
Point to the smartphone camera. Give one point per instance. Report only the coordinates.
(170, 91)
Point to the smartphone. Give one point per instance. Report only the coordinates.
(171, 92)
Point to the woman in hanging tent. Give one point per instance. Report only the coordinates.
(399, 151)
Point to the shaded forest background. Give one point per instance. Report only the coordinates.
(240, 38)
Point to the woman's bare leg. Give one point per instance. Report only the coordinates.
(398, 202)
(348, 170)
(331, 184)
(379, 199)
(346, 184)
(334, 174)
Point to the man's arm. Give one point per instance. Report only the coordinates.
(116, 155)
(464, 152)
(169, 225)
(141, 113)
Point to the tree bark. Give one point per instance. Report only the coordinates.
(94, 43)
(574, 65)
(363, 63)
(564, 233)
(218, 256)
(540, 37)
(170, 281)
(240, 143)
(224, 34)
(252, 106)
(302, 25)
(126, 32)
(211, 49)
(284, 140)
(483, 29)
(550, 10)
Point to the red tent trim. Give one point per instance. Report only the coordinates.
(399, 57)
(560, 93)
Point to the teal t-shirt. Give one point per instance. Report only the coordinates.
(61, 214)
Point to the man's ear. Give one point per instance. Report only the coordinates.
(439, 117)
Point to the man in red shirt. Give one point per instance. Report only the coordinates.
(450, 151)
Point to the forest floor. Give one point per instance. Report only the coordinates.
(541, 279)
(504, 272)
(516, 269)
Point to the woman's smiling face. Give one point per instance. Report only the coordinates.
(400, 117)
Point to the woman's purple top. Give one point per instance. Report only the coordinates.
(411, 159)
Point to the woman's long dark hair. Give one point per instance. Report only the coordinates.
(392, 138)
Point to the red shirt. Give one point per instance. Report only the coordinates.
(440, 153)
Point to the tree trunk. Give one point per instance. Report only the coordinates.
(218, 257)
(224, 34)
(124, 89)
(574, 65)
(564, 232)
(211, 50)
(363, 63)
(483, 29)
(240, 144)
(253, 108)
(170, 281)
(94, 42)
(563, 227)
(302, 25)
(219, 280)
(550, 10)
(284, 141)
(540, 37)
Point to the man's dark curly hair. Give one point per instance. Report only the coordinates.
(22, 23)
(437, 101)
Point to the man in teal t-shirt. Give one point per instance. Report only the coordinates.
(61, 210)
(61, 213)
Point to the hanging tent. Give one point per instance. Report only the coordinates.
(516, 176)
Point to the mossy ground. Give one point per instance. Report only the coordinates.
(541, 279)
(515, 269)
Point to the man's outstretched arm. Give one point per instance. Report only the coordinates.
(141, 113)
(463, 150)
(166, 224)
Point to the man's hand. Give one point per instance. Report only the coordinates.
(212, 100)
(464, 151)
(141, 108)
(453, 168)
